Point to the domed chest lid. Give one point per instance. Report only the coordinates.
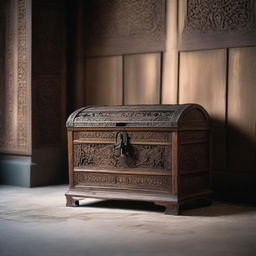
(139, 116)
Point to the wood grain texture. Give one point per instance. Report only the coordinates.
(212, 24)
(17, 78)
(170, 56)
(142, 170)
(142, 78)
(70, 159)
(104, 81)
(203, 81)
(123, 26)
(48, 77)
(242, 109)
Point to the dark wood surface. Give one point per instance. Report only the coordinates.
(166, 165)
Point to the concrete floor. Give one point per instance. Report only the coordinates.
(36, 222)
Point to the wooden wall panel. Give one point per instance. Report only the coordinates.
(203, 81)
(2, 71)
(142, 78)
(16, 122)
(212, 24)
(103, 78)
(123, 26)
(242, 109)
(170, 56)
(48, 73)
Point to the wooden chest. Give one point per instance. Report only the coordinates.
(157, 153)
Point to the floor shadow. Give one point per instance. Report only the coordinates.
(217, 208)
(124, 204)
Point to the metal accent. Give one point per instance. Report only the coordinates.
(121, 143)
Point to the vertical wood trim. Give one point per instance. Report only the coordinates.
(226, 107)
(175, 163)
(70, 159)
(161, 76)
(80, 96)
(178, 80)
(170, 56)
(123, 78)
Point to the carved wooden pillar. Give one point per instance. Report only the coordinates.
(32, 91)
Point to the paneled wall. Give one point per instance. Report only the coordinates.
(32, 92)
(205, 58)
(127, 52)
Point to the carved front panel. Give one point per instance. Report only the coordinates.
(124, 26)
(143, 136)
(125, 181)
(194, 157)
(135, 156)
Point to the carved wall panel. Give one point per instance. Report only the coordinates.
(46, 111)
(2, 71)
(149, 182)
(17, 130)
(214, 23)
(23, 73)
(124, 26)
(48, 28)
(136, 156)
(48, 72)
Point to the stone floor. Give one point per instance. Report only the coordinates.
(36, 222)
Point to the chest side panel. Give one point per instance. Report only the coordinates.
(194, 162)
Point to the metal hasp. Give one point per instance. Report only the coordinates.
(121, 143)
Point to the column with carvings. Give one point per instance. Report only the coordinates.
(32, 92)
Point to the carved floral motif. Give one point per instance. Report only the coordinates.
(138, 118)
(142, 136)
(128, 25)
(124, 181)
(126, 18)
(16, 81)
(136, 156)
(22, 89)
(207, 16)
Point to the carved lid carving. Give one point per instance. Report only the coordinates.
(172, 116)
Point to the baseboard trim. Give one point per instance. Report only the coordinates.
(15, 170)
